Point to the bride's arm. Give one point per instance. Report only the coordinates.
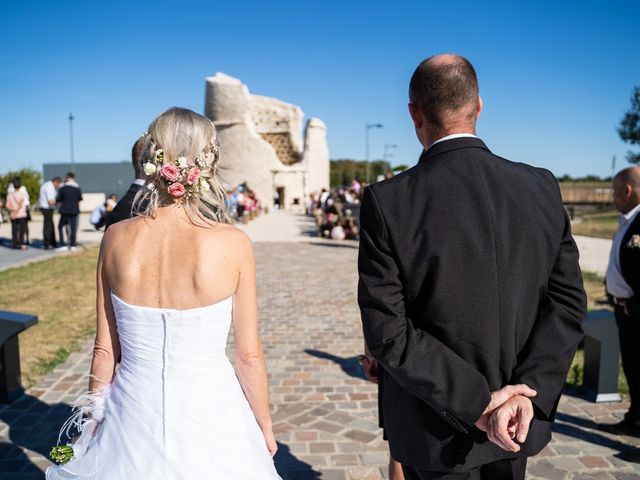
(106, 349)
(250, 363)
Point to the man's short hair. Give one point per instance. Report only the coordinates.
(56, 179)
(629, 176)
(71, 175)
(136, 157)
(444, 85)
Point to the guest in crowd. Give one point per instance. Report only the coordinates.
(124, 208)
(623, 285)
(47, 204)
(102, 212)
(242, 203)
(334, 214)
(69, 198)
(18, 206)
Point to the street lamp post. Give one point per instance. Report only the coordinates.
(368, 126)
(387, 147)
(71, 117)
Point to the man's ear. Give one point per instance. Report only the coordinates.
(416, 115)
(479, 107)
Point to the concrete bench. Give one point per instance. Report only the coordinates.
(11, 324)
(601, 357)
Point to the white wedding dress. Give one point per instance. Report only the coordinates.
(175, 409)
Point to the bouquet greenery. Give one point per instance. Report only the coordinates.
(61, 454)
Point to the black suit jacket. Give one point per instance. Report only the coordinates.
(469, 281)
(630, 266)
(123, 208)
(68, 199)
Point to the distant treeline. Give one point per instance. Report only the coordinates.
(343, 171)
(585, 179)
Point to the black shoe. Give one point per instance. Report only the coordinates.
(631, 456)
(620, 428)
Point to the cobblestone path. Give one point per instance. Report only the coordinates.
(325, 413)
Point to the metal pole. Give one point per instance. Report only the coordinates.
(367, 126)
(366, 143)
(71, 117)
(387, 147)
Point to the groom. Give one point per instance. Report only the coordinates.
(470, 293)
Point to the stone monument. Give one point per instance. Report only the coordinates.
(261, 143)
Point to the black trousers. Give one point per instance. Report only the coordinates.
(69, 220)
(19, 232)
(629, 334)
(48, 230)
(501, 470)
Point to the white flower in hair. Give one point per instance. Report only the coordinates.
(181, 162)
(203, 184)
(150, 168)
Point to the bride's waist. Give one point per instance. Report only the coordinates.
(174, 368)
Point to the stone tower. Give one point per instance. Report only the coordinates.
(261, 143)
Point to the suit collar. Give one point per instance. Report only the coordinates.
(450, 145)
(134, 187)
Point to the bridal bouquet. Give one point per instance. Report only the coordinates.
(92, 403)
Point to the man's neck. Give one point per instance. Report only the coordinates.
(436, 135)
(451, 136)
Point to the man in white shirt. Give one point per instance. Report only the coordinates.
(623, 285)
(47, 204)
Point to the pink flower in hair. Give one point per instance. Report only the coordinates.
(170, 172)
(193, 176)
(176, 189)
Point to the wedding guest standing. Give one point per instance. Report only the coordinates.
(17, 204)
(69, 198)
(473, 334)
(623, 284)
(124, 208)
(47, 204)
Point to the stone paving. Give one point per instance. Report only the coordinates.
(9, 258)
(325, 413)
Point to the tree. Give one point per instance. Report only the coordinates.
(629, 128)
(29, 178)
(344, 171)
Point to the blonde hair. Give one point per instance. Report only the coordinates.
(180, 132)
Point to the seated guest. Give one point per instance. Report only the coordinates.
(101, 213)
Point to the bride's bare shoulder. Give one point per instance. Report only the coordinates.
(233, 237)
(120, 231)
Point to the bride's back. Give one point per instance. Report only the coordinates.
(169, 262)
(179, 253)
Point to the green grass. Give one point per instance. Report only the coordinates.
(600, 224)
(61, 292)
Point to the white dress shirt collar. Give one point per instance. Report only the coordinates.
(139, 181)
(451, 137)
(630, 215)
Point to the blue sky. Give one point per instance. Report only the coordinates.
(555, 77)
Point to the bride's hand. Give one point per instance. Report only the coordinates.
(270, 440)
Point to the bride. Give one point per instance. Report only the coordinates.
(170, 283)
